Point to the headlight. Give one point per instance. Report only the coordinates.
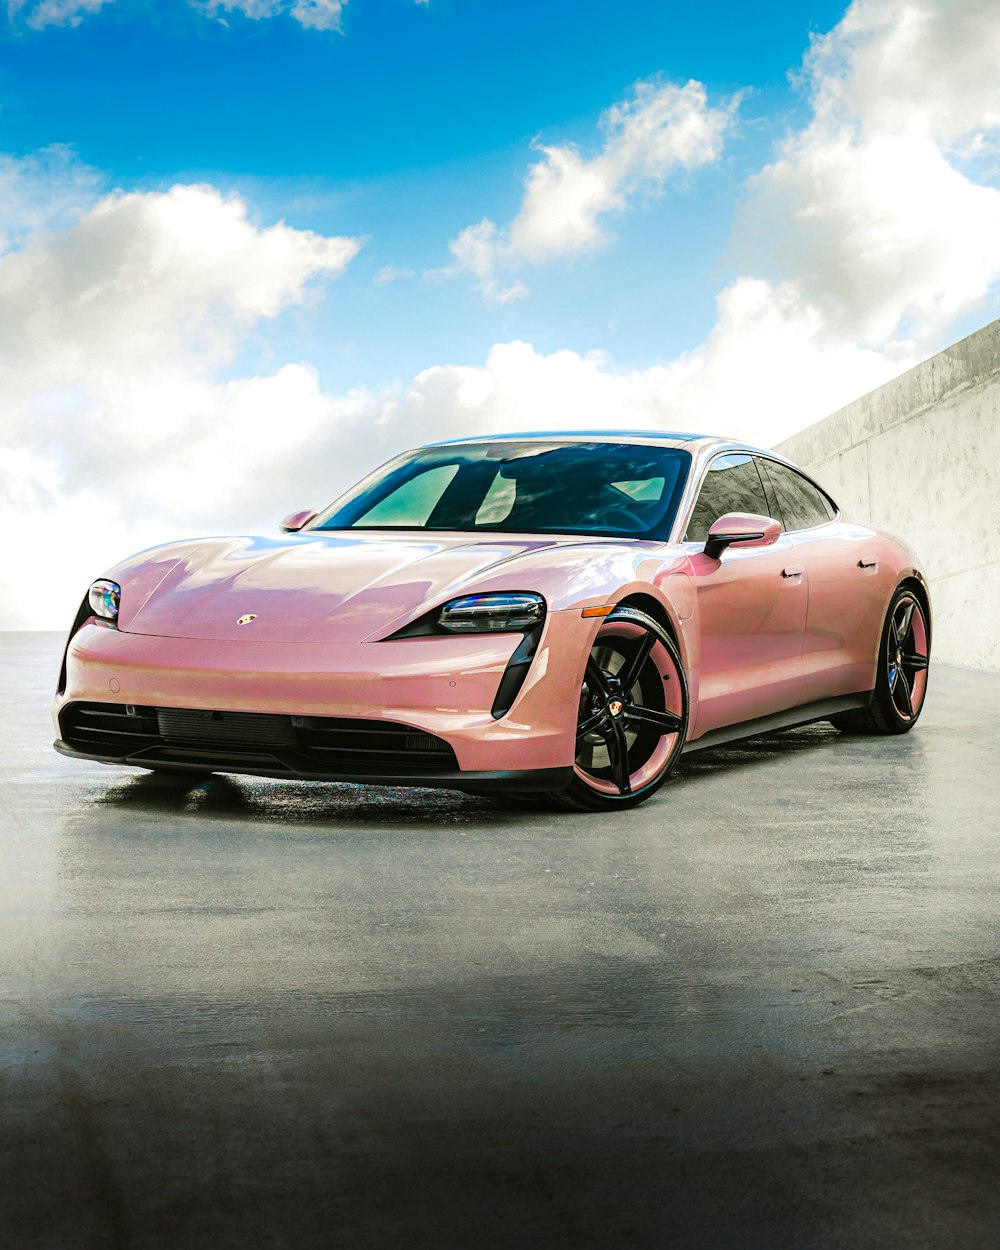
(489, 614)
(104, 598)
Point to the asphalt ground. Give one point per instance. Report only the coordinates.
(761, 1010)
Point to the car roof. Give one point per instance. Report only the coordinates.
(701, 445)
(576, 436)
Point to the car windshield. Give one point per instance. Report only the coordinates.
(611, 489)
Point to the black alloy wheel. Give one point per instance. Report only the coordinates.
(632, 716)
(901, 679)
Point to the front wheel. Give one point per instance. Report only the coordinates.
(632, 715)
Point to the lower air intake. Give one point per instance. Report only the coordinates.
(322, 745)
(232, 728)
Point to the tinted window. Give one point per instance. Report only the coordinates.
(802, 505)
(414, 502)
(732, 484)
(527, 487)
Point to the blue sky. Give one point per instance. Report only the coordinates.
(250, 248)
(412, 121)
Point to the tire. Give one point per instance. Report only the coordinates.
(632, 718)
(901, 677)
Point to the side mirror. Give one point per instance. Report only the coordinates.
(296, 521)
(743, 529)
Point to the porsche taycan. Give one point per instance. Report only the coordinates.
(549, 613)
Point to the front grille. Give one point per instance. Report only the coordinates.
(234, 728)
(319, 744)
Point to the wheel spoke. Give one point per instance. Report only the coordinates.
(915, 662)
(591, 723)
(903, 688)
(669, 722)
(905, 621)
(596, 679)
(629, 674)
(618, 754)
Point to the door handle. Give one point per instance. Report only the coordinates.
(867, 562)
(792, 570)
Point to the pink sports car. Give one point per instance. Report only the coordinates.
(557, 614)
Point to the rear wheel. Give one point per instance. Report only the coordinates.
(901, 679)
(632, 715)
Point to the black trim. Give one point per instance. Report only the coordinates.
(516, 671)
(264, 765)
(790, 718)
(716, 544)
(81, 618)
(786, 464)
(293, 744)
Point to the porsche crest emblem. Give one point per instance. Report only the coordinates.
(245, 620)
(615, 707)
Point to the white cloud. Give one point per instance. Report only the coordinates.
(476, 250)
(767, 369)
(150, 276)
(393, 273)
(873, 208)
(659, 129)
(113, 334)
(40, 13)
(46, 190)
(926, 67)
(312, 14)
(318, 14)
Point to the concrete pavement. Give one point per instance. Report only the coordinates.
(761, 1011)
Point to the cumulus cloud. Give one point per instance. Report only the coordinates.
(874, 207)
(114, 333)
(45, 190)
(659, 129)
(926, 67)
(767, 369)
(150, 275)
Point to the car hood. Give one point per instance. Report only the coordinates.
(320, 587)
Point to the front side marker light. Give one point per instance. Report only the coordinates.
(104, 597)
(488, 614)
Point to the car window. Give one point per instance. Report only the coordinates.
(732, 484)
(802, 506)
(614, 489)
(498, 503)
(645, 490)
(414, 501)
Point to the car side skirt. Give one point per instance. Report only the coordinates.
(209, 761)
(790, 718)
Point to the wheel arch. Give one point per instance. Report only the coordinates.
(660, 613)
(911, 581)
(654, 608)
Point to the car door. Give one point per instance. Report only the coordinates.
(752, 605)
(846, 591)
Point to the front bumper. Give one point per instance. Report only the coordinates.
(288, 767)
(442, 685)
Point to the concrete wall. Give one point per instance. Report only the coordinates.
(920, 457)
